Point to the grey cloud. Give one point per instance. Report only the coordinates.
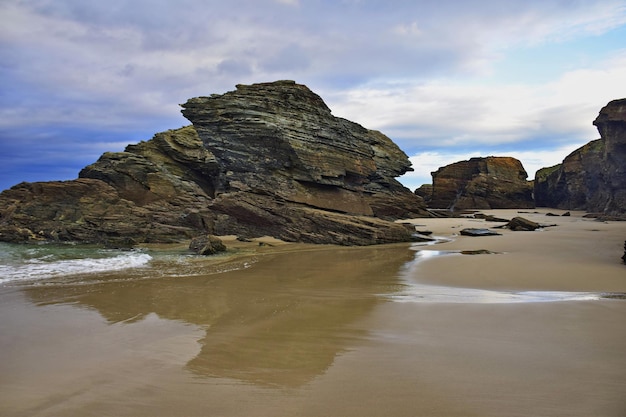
(119, 63)
(234, 68)
(289, 58)
(358, 39)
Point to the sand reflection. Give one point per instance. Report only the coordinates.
(280, 322)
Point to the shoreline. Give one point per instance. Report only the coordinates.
(577, 254)
(309, 330)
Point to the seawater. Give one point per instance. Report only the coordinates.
(79, 263)
(72, 264)
(416, 291)
(44, 261)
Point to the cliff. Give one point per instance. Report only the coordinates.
(266, 159)
(155, 191)
(481, 183)
(281, 140)
(569, 185)
(593, 177)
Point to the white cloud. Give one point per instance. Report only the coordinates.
(408, 29)
(422, 72)
(441, 113)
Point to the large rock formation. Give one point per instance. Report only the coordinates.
(569, 185)
(593, 177)
(482, 183)
(280, 139)
(155, 191)
(266, 159)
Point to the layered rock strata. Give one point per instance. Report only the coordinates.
(280, 139)
(569, 184)
(155, 191)
(593, 177)
(266, 159)
(481, 183)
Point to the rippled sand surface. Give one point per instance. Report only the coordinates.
(301, 330)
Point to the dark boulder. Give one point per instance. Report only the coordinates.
(206, 245)
(474, 232)
(479, 252)
(521, 224)
(490, 218)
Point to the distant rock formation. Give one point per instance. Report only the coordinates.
(481, 183)
(593, 177)
(266, 159)
(425, 191)
(567, 185)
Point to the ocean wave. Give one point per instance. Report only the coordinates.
(422, 293)
(43, 267)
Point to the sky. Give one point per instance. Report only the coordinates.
(446, 80)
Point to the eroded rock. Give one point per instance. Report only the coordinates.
(266, 159)
(519, 224)
(593, 177)
(477, 232)
(481, 183)
(206, 245)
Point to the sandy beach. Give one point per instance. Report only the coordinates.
(577, 254)
(304, 330)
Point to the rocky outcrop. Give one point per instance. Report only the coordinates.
(593, 177)
(266, 159)
(481, 183)
(280, 139)
(207, 245)
(425, 191)
(155, 191)
(520, 224)
(474, 232)
(569, 185)
(611, 195)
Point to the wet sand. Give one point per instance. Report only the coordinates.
(578, 254)
(300, 330)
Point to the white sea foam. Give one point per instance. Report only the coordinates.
(416, 291)
(438, 294)
(41, 268)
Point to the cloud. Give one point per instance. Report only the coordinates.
(447, 113)
(438, 123)
(425, 73)
(87, 44)
(290, 58)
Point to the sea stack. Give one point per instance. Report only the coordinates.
(265, 159)
(481, 183)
